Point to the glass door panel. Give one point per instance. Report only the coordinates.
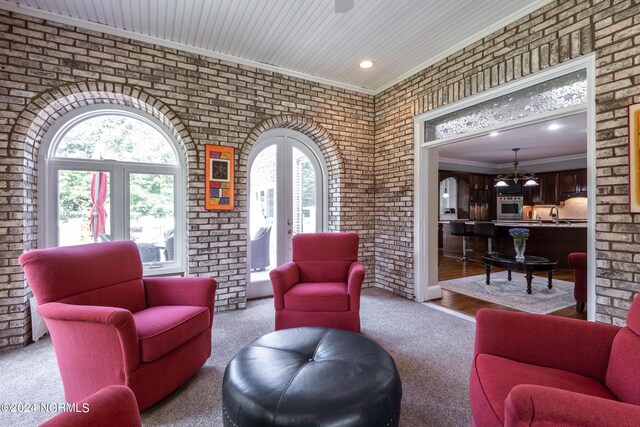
(263, 227)
(304, 193)
(285, 198)
(83, 207)
(151, 213)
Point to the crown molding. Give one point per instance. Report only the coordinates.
(81, 23)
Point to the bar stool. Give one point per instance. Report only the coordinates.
(459, 228)
(488, 230)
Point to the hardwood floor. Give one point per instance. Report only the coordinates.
(451, 268)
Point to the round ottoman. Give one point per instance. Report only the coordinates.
(311, 377)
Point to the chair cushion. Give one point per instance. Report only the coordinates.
(322, 296)
(498, 376)
(164, 328)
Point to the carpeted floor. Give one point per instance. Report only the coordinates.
(513, 293)
(433, 351)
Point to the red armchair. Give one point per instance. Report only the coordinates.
(578, 261)
(112, 406)
(544, 370)
(109, 325)
(321, 285)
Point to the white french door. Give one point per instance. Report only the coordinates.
(286, 197)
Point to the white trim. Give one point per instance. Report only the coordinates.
(450, 311)
(498, 25)
(566, 158)
(590, 62)
(118, 183)
(425, 265)
(94, 26)
(69, 20)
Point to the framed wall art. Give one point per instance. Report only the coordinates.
(219, 184)
(634, 158)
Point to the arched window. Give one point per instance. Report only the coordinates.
(112, 174)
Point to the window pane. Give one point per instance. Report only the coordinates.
(116, 137)
(263, 193)
(151, 214)
(304, 193)
(84, 207)
(551, 95)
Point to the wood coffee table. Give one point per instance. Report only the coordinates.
(528, 266)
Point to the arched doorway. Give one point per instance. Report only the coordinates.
(287, 195)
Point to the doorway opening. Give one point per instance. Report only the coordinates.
(287, 195)
(427, 153)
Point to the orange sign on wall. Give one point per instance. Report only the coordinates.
(219, 188)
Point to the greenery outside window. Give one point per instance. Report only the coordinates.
(115, 174)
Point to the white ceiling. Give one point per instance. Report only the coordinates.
(305, 38)
(537, 145)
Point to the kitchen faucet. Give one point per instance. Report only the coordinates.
(557, 216)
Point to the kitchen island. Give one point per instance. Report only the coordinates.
(546, 239)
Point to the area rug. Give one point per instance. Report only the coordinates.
(433, 351)
(514, 293)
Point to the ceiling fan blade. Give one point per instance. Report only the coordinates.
(343, 6)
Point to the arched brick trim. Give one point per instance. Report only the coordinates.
(22, 156)
(321, 137)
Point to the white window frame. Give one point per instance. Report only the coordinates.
(119, 172)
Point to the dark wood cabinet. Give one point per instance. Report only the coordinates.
(549, 189)
(572, 183)
(582, 181)
(480, 197)
(556, 187)
(476, 196)
(531, 195)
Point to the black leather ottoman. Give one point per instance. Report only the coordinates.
(311, 377)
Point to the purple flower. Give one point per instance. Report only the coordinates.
(519, 233)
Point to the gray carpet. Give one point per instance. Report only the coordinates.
(513, 293)
(432, 350)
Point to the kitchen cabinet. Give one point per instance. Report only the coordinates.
(475, 194)
(556, 187)
(480, 197)
(549, 189)
(531, 195)
(573, 182)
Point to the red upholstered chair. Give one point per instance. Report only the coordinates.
(578, 261)
(109, 325)
(112, 406)
(321, 285)
(550, 371)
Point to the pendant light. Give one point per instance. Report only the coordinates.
(529, 179)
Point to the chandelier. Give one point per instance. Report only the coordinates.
(515, 176)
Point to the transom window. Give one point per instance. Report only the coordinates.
(115, 174)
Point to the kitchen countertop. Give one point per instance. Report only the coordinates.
(579, 223)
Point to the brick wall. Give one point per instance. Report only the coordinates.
(560, 31)
(48, 69)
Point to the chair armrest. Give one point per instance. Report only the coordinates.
(282, 279)
(60, 317)
(354, 284)
(577, 260)
(528, 405)
(115, 405)
(196, 291)
(555, 342)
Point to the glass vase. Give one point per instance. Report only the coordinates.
(519, 245)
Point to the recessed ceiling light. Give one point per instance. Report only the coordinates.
(494, 133)
(554, 126)
(366, 64)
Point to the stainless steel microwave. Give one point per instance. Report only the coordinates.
(509, 207)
